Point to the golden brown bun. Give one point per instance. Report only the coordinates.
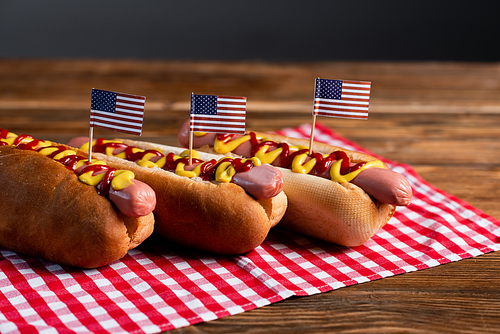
(341, 213)
(46, 212)
(214, 217)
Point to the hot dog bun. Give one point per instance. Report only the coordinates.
(46, 212)
(340, 213)
(214, 217)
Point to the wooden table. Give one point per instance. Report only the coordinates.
(441, 118)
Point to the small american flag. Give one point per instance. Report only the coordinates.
(342, 98)
(117, 111)
(213, 113)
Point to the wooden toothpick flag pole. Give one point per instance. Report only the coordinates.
(341, 99)
(116, 112)
(311, 140)
(91, 139)
(191, 132)
(191, 148)
(218, 114)
(313, 125)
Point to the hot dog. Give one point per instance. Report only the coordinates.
(348, 211)
(224, 206)
(57, 206)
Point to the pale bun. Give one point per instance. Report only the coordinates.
(214, 217)
(47, 213)
(341, 213)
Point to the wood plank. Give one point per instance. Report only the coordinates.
(440, 118)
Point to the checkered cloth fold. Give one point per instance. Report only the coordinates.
(158, 287)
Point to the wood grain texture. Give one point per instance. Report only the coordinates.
(443, 119)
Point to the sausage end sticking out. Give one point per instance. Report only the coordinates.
(136, 200)
(78, 141)
(262, 182)
(183, 137)
(385, 185)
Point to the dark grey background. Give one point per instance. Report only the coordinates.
(267, 30)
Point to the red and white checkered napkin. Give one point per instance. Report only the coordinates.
(158, 287)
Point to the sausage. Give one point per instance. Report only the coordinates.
(384, 185)
(136, 200)
(208, 139)
(184, 133)
(193, 209)
(78, 141)
(262, 182)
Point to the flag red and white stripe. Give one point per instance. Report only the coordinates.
(342, 98)
(214, 113)
(117, 111)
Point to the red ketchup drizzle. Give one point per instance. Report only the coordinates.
(241, 166)
(345, 167)
(20, 138)
(224, 137)
(238, 164)
(104, 186)
(287, 160)
(18, 141)
(100, 146)
(322, 164)
(56, 152)
(212, 170)
(3, 135)
(70, 162)
(139, 155)
(207, 170)
(171, 164)
(27, 146)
